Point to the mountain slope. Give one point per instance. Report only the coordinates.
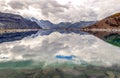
(12, 21)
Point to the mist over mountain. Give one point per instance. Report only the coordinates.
(46, 24)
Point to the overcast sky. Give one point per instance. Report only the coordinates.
(62, 10)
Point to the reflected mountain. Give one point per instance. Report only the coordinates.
(7, 37)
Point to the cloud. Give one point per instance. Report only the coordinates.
(19, 49)
(58, 11)
(17, 5)
(50, 7)
(2, 5)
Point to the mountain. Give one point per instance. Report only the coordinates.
(111, 22)
(12, 21)
(45, 24)
(107, 29)
(81, 24)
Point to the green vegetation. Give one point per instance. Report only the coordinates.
(64, 72)
(15, 64)
(29, 69)
(114, 39)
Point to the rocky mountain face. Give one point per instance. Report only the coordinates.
(107, 29)
(12, 21)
